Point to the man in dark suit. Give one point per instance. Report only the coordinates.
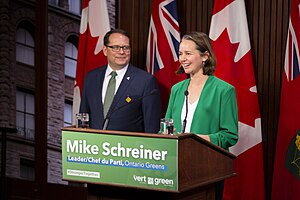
(136, 103)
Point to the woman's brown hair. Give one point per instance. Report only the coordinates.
(203, 44)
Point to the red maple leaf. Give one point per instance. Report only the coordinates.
(87, 59)
(239, 74)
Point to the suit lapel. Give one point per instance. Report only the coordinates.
(99, 86)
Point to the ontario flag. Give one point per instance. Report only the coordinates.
(94, 25)
(163, 46)
(286, 174)
(231, 44)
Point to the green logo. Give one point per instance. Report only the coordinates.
(292, 161)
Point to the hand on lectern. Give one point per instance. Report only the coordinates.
(205, 137)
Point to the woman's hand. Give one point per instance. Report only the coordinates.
(205, 137)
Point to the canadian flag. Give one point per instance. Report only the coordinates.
(94, 25)
(231, 44)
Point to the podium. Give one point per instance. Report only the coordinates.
(131, 165)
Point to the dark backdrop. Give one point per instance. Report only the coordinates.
(268, 24)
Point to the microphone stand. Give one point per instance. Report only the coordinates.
(106, 121)
(186, 93)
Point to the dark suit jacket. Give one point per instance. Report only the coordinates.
(141, 114)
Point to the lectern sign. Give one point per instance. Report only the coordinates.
(120, 159)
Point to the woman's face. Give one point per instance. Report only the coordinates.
(190, 58)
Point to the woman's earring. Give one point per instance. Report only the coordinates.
(203, 62)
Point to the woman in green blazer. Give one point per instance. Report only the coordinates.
(212, 107)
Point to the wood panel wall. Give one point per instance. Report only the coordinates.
(268, 24)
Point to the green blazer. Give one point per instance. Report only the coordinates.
(216, 114)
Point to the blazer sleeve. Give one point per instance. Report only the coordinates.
(151, 106)
(227, 136)
(84, 106)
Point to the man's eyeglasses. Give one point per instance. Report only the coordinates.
(116, 48)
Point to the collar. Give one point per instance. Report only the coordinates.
(120, 72)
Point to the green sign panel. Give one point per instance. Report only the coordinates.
(144, 162)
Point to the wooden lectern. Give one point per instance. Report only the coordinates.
(201, 166)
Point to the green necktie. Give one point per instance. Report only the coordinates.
(110, 92)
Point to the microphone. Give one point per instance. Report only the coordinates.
(107, 118)
(186, 93)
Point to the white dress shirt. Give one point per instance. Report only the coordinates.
(191, 110)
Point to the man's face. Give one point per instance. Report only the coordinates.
(117, 57)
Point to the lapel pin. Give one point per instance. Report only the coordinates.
(128, 78)
(128, 99)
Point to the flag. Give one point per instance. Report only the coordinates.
(163, 46)
(286, 174)
(231, 44)
(94, 25)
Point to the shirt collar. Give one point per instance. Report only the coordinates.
(120, 72)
